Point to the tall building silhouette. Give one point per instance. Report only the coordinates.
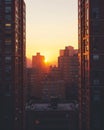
(91, 54)
(12, 64)
(38, 62)
(68, 64)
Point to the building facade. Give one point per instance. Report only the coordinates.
(68, 65)
(53, 88)
(33, 83)
(91, 55)
(38, 62)
(12, 64)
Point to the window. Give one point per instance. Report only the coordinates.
(8, 31)
(8, 59)
(96, 82)
(7, 9)
(8, 17)
(8, 1)
(8, 49)
(7, 25)
(95, 57)
(8, 41)
(7, 68)
(7, 35)
(95, 13)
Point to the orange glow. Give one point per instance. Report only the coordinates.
(49, 54)
(46, 61)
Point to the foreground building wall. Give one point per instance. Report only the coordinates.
(12, 64)
(91, 54)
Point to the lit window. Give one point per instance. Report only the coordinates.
(8, 25)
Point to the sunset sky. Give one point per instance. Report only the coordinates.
(51, 25)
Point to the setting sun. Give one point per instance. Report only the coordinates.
(45, 60)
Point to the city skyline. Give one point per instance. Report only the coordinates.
(49, 27)
(54, 78)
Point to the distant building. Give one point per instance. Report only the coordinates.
(69, 50)
(37, 73)
(12, 64)
(29, 82)
(91, 54)
(61, 116)
(53, 88)
(38, 62)
(68, 63)
(54, 73)
(53, 85)
(33, 83)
